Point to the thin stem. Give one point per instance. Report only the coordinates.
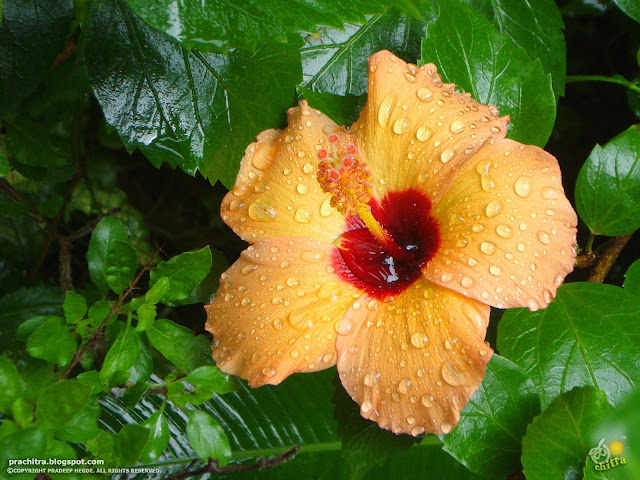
(618, 80)
(608, 258)
(589, 247)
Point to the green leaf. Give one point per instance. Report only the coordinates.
(158, 437)
(98, 312)
(608, 186)
(471, 53)
(22, 412)
(632, 279)
(14, 209)
(120, 265)
(63, 451)
(59, 403)
(207, 288)
(52, 341)
(556, 443)
(19, 306)
(5, 167)
(74, 306)
(146, 316)
(122, 354)
(185, 272)
(92, 379)
(179, 345)
(193, 110)
(212, 379)
(207, 437)
(24, 57)
(364, 443)
(102, 446)
(623, 425)
(488, 439)
(83, 426)
(534, 25)
(10, 384)
(218, 26)
(107, 232)
(129, 443)
(344, 110)
(26, 443)
(336, 60)
(157, 291)
(573, 342)
(31, 143)
(630, 7)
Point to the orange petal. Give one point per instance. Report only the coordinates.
(276, 192)
(413, 364)
(415, 131)
(276, 311)
(507, 230)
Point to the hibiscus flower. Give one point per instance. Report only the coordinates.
(381, 248)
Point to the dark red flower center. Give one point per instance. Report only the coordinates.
(364, 262)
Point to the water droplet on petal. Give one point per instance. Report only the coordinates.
(423, 134)
(550, 193)
(452, 375)
(404, 386)
(522, 187)
(488, 248)
(419, 340)
(263, 210)
(447, 155)
(400, 126)
(456, 126)
(505, 231)
(247, 269)
(372, 378)
(544, 237)
(427, 400)
(301, 188)
(425, 94)
(308, 168)
(315, 256)
(493, 209)
(466, 282)
(417, 430)
(495, 270)
(446, 427)
(366, 406)
(384, 111)
(292, 282)
(303, 215)
(410, 78)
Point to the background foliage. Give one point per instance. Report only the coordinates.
(122, 123)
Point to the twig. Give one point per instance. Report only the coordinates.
(213, 466)
(112, 310)
(608, 258)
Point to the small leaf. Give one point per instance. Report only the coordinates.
(158, 289)
(207, 437)
(471, 53)
(103, 447)
(158, 437)
(632, 279)
(10, 385)
(31, 143)
(120, 265)
(557, 442)
(122, 354)
(59, 403)
(212, 379)
(185, 272)
(630, 7)
(63, 451)
(14, 209)
(52, 341)
(92, 379)
(608, 186)
(129, 443)
(179, 345)
(22, 412)
(575, 343)
(98, 312)
(26, 443)
(75, 306)
(108, 231)
(83, 426)
(488, 439)
(146, 316)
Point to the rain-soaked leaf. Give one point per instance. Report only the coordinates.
(213, 25)
(630, 7)
(534, 25)
(335, 61)
(194, 110)
(557, 442)
(608, 186)
(488, 439)
(474, 55)
(574, 342)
